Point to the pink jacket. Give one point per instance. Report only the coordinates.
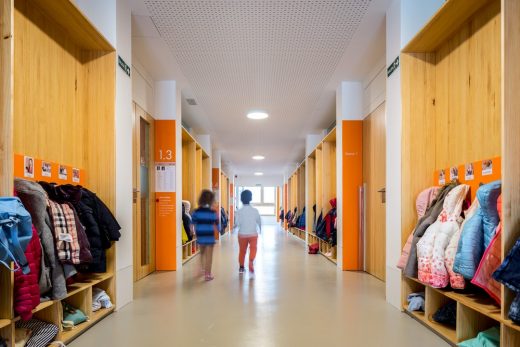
(423, 201)
(432, 246)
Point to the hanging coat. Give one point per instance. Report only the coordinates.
(35, 199)
(431, 248)
(423, 201)
(490, 262)
(480, 228)
(26, 292)
(428, 219)
(457, 280)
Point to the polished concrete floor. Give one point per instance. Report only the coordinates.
(294, 299)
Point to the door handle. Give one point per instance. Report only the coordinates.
(134, 194)
(383, 194)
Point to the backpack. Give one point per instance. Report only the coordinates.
(15, 233)
(314, 248)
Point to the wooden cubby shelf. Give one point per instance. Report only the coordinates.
(460, 84)
(51, 43)
(189, 250)
(58, 72)
(224, 195)
(314, 183)
(196, 176)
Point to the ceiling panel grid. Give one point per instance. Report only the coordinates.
(273, 55)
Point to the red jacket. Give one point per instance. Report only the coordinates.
(26, 289)
(330, 218)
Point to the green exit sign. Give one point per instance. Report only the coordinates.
(123, 65)
(390, 70)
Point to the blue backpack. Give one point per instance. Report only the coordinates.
(15, 233)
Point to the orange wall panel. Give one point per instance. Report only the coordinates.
(352, 152)
(166, 202)
(165, 226)
(165, 141)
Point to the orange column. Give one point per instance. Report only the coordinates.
(352, 151)
(165, 209)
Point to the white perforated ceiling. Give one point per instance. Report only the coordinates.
(272, 55)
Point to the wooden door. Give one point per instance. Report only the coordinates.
(143, 194)
(374, 177)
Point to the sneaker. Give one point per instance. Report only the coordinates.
(241, 270)
(209, 277)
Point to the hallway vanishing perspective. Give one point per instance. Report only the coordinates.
(295, 299)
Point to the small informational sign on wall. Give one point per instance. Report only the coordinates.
(32, 168)
(165, 176)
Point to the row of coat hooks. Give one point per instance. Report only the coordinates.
(473, 174)
(35, 169)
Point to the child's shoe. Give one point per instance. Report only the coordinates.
(241, 270)
(209, 277)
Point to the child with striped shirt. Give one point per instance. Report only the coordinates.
(205, 222)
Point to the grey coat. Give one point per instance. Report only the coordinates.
(34, 199)
(411, 268)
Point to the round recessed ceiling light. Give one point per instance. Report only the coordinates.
(257, 115)
(259, 173)
(258, 157)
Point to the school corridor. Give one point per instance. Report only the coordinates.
(294, 299)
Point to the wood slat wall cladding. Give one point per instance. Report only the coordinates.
(451, 105)
(460, 105)
(63, 99)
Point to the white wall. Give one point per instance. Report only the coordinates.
(142, 87)
(102, 14)
(113, 20)
(404, 19)
(205, 142)
(266, 181)
(312, 140)
(374, 88)
(393, 157)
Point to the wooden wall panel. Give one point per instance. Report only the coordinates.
(310, 186)
(329, 174)
(418, 132)
(467, 106)
(511, 140)
(198, 174)
(72, 120)
(374, 177)
(46, 118)
(6, 102)
(319, 182)
(206, 173)
(188, 172)
(99, 147)
(301, 188)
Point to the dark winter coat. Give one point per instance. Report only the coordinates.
(73, 194)
(109, 227)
